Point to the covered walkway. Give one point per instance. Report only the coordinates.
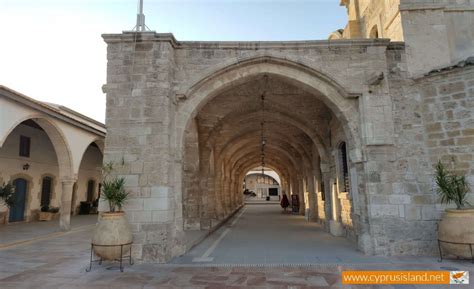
(262, 234)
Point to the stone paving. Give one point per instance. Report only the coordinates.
(21, 232)
(264, 235)
(60, 261)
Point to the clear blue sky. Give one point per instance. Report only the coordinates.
(52, 50)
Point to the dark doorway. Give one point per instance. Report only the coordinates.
(74, 199)
(273, 191)
(17, 212)
(46, 192)
(90, 190)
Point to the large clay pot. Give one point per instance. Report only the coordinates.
(113, 229)
(457, 226)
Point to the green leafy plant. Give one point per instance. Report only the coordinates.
(452, 188)
(7, 194)
(113, 189)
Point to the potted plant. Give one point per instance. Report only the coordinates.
(7, 194)
(457, 225)
(113, 229)
(47, 213)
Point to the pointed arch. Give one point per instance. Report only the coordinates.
(338, 99)
(57, 138)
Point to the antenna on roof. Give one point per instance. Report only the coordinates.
(140, 27)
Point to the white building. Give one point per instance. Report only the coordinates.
(266, 185)
(53, 156)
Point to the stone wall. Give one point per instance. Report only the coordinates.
(144, 88)
(437, 33)
(432, 118)
(447, 111)
(373, 19)
(166, 106)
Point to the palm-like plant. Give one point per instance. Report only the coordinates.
(7, 194)
(113, 190)
(452, 188)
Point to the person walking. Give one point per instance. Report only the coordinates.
(284, 203)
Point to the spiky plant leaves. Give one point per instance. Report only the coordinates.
(452, 188)
(113, 191)
(7, 194)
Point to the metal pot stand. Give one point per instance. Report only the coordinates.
(120, 260)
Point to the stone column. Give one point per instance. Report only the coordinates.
(301, 195)
(313, 206)
(335, 225)
(66, 198)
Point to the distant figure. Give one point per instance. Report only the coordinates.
(284, 203)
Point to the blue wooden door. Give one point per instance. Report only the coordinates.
(17, 212)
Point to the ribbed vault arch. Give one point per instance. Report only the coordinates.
(218, 133)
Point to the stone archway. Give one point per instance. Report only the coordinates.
(63, 156)
(215, 151)
(56, 137)
(336, 97)
(87, 186)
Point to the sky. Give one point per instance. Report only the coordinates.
(52, 50)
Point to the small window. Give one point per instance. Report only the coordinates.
(24, 146)
(374, 33)
(344, 169)
(323, 191)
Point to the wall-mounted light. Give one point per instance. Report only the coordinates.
(26, 167)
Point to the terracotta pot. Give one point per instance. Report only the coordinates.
(112, 229)
(457, 226)
(45, 216)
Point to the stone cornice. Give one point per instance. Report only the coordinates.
(168, 37)
(435, 6)
(131, 36)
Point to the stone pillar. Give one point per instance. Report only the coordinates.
(293, 188)
(66, 198)
(313, 205)
(225, 193)
(219, 197)
(142, 140)
(335, 226)
(301, 195)
(327, 193)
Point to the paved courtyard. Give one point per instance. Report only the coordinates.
(263, 234)
(262, 248)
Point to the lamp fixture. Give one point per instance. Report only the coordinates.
(263, 140)
(26, 166)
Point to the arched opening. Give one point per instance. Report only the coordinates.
(35, 150)
(262, 186)
(85, 199)
(374, 32)
(343, 168)
(302, 113)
